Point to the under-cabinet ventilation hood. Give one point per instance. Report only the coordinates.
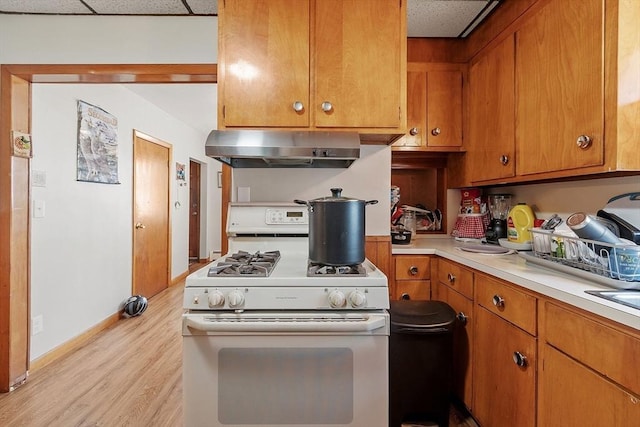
(283, 149)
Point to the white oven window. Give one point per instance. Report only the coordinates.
(285, 386)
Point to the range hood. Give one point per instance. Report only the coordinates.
(283, 149)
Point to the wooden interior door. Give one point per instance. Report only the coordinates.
(151, 231)
(194, 211)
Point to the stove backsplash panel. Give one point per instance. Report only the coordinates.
(367, 178)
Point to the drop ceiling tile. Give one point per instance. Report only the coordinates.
(49, 6)
(145, 7)
(203, 7)
(441, 18)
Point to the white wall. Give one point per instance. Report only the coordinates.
(368, 178)
(81, 249)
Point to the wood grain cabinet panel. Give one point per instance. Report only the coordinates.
(579, 396)
(560, 87)
(491, 144)
(504, 393)
(507, 302)
(412, 274)
(455, 276)
(338, 64)
(434, 107)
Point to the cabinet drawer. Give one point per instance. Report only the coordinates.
(456, 276)
(507, 302)
(413, 268)
(603, 348)
(413, 289)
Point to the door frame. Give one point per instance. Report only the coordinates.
(15, 246)
(150, 139)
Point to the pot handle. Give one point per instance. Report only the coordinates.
(302, 202)
(370, 202)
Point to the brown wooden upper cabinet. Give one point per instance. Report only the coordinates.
(337, 64)
(491, 146)
(556, 94)
(434, 107)
(560, 87)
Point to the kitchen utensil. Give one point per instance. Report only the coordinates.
(552, 222)
(624, 211)
(336, 229)
(401, 237)
(499, 206)
(588, 227)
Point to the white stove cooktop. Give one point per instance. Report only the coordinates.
(287, 287)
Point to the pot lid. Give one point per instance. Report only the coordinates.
(336, 196)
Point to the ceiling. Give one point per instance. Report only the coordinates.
(425, 18)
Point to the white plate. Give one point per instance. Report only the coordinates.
(515, 246)
(485, 249)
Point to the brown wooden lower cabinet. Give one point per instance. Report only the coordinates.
(411, 277)
(504, 393)
(588, 371)
(572, 394)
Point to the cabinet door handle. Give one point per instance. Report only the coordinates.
(298, 107)
(140, 225)
(435, 131)
(519, 359)
(498, 301)
(405, 296)
(413, 270)
(504, 159)
(413, 131)
(462, 318)
(451, 277)
(327, 107)
(584, 141)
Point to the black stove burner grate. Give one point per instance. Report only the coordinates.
(242, 263)
(323, 270)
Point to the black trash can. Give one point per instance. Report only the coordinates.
(420, 362)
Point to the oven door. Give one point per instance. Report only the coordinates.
(295, 369)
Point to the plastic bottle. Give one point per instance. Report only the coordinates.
(520, 221)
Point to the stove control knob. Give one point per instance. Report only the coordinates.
(357, 299)
(216, 299)
(236, 298)
(337, 299)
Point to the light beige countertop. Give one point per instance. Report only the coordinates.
(513, 268)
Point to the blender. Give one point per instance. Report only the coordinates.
(499, 206)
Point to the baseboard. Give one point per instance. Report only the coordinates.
(73, 344)
(179, 279)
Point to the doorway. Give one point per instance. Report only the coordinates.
(151, 215)
(194, 211)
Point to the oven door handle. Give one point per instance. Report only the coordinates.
(365, 325)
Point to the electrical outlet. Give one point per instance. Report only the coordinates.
(37, 324)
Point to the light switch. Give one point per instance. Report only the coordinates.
(38, 208)
(38, 178)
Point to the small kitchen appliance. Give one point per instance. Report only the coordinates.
(270, 338)
(499, 207)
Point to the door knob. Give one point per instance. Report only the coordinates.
(327, 107)
(139, 225)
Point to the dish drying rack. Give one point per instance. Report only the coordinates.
(616, 266)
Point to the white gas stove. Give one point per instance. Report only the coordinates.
(269, 340)
(257, 232)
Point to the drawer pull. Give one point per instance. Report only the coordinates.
(405, 296)
(498, 301)
(451, 278)
(413, 270)
(520, 359)
(462, 318)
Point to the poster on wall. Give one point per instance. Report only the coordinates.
(21, 144)
(97, 145)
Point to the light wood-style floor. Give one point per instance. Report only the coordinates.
(129, 375)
